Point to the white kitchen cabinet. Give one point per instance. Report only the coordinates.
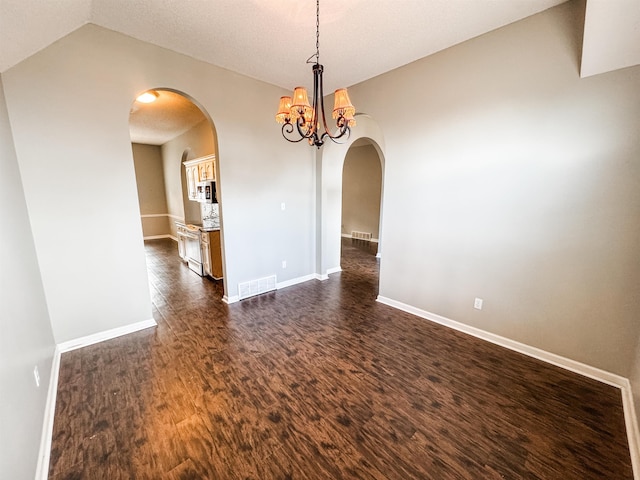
(206, 254)
(206, 170)
(192, 180)
(199, 170)
(182, 248)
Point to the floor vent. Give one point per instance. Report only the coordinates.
(361, 235)
(256, 287)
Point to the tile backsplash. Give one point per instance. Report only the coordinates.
(210, 215)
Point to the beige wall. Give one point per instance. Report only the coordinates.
(152, 199)
(26, 339)
(514, 180)
(83, 146)
(361, 190)
(156, 226)
(510, 178)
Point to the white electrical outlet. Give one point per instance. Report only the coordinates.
(36, 375)
(283, 206)
(477, 304)
(284, 264)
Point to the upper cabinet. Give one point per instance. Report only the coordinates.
(206, 170)
(192, 179)
(199, 170)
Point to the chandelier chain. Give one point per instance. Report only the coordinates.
(317, 31)
(317, 54)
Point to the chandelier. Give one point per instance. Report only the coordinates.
(300, 120)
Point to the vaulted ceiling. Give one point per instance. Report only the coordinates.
(270, 40)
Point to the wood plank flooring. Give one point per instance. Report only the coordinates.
(318, 381)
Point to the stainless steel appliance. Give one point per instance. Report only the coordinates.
(206, 192)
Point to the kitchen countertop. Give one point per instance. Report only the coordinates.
(197, 226)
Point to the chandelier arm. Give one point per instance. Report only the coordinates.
(345, 130)
(302, 133)
(341, 123)
(288, 128)
(321, 95)
(309, 129)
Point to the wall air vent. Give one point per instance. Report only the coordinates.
(361, 236)
(256, 287)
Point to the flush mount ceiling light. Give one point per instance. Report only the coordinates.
(306, 118)
(148, 96)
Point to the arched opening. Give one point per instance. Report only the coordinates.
(361, 197)
(330, 193)
(174, 149)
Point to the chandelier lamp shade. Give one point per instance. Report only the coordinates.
(302, 120)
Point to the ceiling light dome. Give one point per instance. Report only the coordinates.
(147, 97)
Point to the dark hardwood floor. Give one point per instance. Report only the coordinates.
(318, 381)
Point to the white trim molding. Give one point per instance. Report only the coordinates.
(106, 335)
(232, 299)
(631, 422)
(295, 281)
(280, 285)
(157, 237)
(151, 215)
(325, 276)
(44, 457)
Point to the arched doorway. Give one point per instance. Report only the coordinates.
(361, 206)
(329, 178)
(361, 193)
(167, 132)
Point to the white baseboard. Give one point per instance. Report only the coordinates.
(295, 281)
(44, 456)
(232, 299)
(156, 237)
(280, 285)
(631, 422)
(633, 432)
(106, 335)
(325, 276)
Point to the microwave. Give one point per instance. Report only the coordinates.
(206, 192)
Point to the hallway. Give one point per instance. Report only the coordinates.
(319, 381)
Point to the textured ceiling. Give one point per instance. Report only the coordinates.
(169, 116)
(270, 40)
